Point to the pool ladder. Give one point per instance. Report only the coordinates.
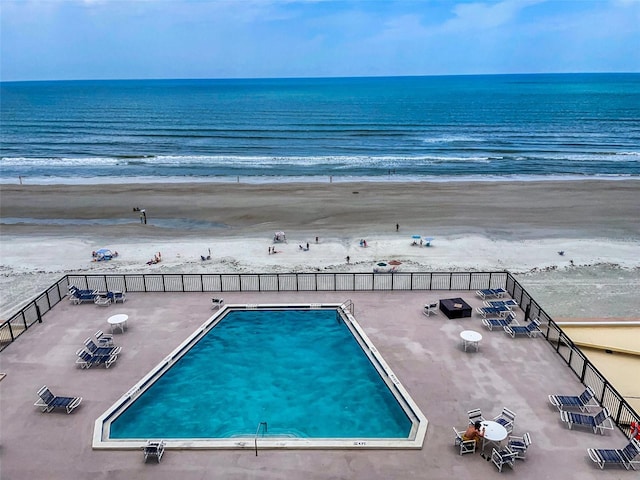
(255, 439)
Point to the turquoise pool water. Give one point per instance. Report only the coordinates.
(301, 371)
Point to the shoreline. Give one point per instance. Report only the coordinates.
(26, 180)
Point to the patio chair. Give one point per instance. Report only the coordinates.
(217, 302)
(506, 419)
(519, 445)
(466, 446)
(94, 349)
(86, 360)
(503, 457)
(531, 330)
(475, 415)
(119, 296)
(584, 401)
(500, 323)
(103, 301)
(430, 308)
(48, 401)
(104, 339)
(624, 457)
(153, 449)
(598, 423)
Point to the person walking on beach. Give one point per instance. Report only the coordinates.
(397, 227)
(348, 258)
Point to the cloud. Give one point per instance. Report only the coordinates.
(483, 16)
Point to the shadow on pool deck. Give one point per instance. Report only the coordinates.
(425, 353)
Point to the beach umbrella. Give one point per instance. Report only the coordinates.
(417, 237)
(395, 262)
(428, 240)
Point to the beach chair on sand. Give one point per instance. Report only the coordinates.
(624, 456)
(48, 401)
(153, 449)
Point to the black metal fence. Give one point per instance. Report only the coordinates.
(623, 414)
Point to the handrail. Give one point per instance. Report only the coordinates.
(349, 305)
(255, 439)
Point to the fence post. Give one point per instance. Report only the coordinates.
(38, 314)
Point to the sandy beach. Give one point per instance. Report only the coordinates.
(49, 230)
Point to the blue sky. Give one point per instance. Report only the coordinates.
(123, 39)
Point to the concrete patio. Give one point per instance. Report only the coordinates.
(425, 353)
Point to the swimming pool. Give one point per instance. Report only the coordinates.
(284, 376)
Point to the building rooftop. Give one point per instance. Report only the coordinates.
(425, 353)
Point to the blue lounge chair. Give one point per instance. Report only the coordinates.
(598, 423)
(94, 349)
(530, 330)
(501, 303)
(86, 360)
(82, 296)
(491, 293)
(490, 323)
(584, 401)
(624, 457)
(48, 401)
(493, 311)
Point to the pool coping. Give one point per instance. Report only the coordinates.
(418, 420)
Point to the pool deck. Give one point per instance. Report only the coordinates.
(425, 354)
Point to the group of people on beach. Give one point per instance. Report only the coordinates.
(157, 258)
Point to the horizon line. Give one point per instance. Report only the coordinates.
(325, 77)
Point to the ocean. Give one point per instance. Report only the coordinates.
(441, 128)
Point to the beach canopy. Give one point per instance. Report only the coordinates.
(104, 254)
(417, 237)
(395, 262)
